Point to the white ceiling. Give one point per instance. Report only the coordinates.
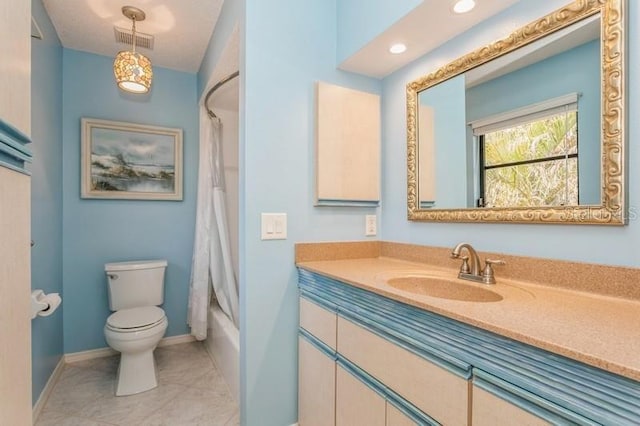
(575, 35)
(181, 29)
(423, 29)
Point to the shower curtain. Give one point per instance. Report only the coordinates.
(212, 266)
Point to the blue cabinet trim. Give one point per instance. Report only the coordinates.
(318, 344)
(13, 151)
(527, 401)
(320, 301)
(596, 395)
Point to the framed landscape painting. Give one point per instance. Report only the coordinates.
(130, 161)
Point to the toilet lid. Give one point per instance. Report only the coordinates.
(135, 317)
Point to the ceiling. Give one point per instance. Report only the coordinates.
(181, 29)
(553, 44)
(426, 27)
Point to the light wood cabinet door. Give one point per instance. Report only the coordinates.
(435, 391)
(15, 66)
(491, 410)
(316, 386)
(347, 146)
(357, 404)
(396, 417)
(15, 291)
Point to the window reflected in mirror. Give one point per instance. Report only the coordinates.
(531, 164)
(505, 134)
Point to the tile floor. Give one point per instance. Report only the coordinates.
(190, 392)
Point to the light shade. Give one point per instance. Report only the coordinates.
(133, 72)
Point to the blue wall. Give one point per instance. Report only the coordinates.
(448, 102)
(46, 194)
(285, 54)
(101, 231)
(360, 21)
(599, 244)
(230, 17)
(576, 70)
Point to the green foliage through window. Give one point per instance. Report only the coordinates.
(532, 164)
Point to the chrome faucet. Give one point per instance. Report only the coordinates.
(475, 271)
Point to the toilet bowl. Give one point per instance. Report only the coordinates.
(135, 333)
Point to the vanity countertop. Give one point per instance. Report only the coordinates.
(598, 330)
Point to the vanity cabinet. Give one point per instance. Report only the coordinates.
(395, 364)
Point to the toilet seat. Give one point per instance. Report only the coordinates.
(135, 319)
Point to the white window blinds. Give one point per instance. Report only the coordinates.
(527, 114)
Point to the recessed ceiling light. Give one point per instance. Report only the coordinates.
(463, 6)
(398, 48)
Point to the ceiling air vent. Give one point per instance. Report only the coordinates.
(125, 36)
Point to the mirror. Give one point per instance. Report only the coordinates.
(527, 129)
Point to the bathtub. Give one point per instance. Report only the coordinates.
(223, 344)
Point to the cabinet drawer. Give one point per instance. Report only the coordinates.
(434, 390)
(490, 410)
(319, 322)
(357, 404)
(497, 401)
(316, 386)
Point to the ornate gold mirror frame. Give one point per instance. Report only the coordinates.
(613, 210)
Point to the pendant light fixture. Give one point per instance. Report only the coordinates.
(132, 69)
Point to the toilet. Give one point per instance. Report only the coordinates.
(138, 323)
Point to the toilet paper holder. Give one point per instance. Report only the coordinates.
(43, 304)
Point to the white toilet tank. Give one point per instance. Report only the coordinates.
(135, 284)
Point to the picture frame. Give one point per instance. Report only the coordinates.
(130, 161)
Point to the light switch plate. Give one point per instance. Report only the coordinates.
(274, 226)
(371, 227)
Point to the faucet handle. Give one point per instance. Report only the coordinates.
(464, 268)
(487, 274)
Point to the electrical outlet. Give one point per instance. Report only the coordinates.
(370, 225)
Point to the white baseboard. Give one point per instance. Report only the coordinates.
(176, 340)
(104, 352)
(46, 391)
(90, 354)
